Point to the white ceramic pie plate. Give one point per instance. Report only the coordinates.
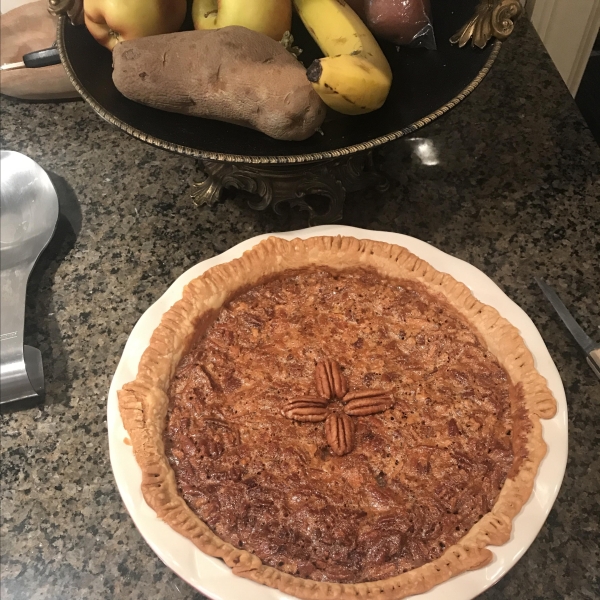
(210, 575)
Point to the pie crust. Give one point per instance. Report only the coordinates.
(144, 403)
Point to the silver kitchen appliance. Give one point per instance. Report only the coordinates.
(28, 217)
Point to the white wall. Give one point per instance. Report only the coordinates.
(568, 29)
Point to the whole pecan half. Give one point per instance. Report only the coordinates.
(329, 380)
(339, 431)
(367, 402)
(306, 409)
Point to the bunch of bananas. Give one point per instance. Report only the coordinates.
(354, 77)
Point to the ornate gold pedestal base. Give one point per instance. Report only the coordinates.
(275, 185)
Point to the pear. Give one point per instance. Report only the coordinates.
(270, 17)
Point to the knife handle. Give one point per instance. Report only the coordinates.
(41, 58)
(593, 359)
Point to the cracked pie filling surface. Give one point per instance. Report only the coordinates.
(331, 415)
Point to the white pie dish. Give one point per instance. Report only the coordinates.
(210, 575)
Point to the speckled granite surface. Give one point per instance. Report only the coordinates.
(516, 193)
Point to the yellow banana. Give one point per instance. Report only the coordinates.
(355, 77)
(349, 84)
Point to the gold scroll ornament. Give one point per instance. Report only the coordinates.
(492, 18)
(71, 8)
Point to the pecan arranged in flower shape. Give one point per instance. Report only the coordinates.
(339, 431)
(330, 381)
(306, 409)
(339, 427)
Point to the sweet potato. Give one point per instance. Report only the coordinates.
(230, 74)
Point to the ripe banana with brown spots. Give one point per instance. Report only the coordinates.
(354, 77)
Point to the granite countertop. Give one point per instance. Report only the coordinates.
(516, 193)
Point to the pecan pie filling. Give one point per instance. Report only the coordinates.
(341, 427)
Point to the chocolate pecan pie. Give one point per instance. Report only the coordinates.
(334, 418)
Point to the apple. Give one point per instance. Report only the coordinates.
(270, 17)
(112, 21)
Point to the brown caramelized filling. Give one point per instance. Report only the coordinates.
(420, 474)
